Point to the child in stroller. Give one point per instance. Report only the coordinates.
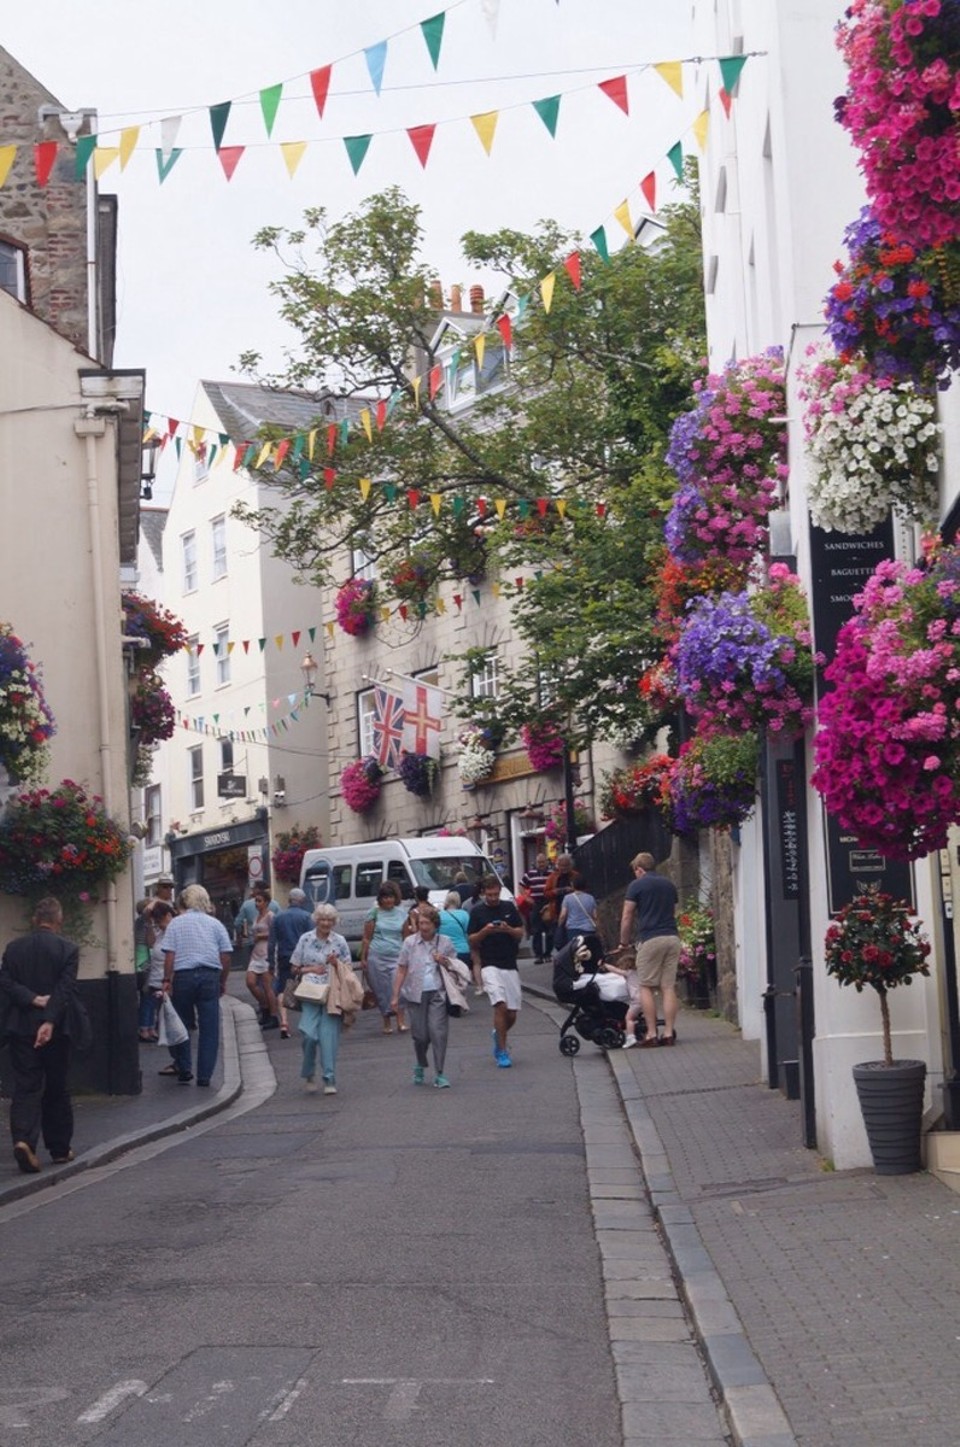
(596, 993)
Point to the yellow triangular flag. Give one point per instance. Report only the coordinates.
(365, 486)
(230, 647)
(128, 144)
(278, 640)
(416, 391)
(546, 289)
(329, 628)
(311, 439)
(384, 613)
(8, 155)
(622, 214)
(485, 126)
(495, 589)
(264, 454)
(103, 159)
(500, 504)
(672, 72)
(441, 606)
(366, 424)
(293, 155)
(436, 498)
(700, 129)
(480, 346)
(197, 435)
(562, 506)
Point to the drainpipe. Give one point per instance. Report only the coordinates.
(91, 427)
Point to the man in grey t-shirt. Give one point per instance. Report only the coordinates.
(650, 907)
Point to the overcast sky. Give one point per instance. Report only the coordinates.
(192, 291)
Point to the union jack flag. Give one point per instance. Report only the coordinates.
(388, 715)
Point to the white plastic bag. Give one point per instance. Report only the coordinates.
(171, 1029)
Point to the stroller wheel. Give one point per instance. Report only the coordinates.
(609, 1039)
(569, 1045)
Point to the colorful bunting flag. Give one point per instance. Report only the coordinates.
(700, 127)
(44, 155)
(548, 110)
(8, 155)
(599, 239)
(292, 152)
(672, 72)
(103, 159)
(505, 328)
(649, 188)
(86, 145)
(622, 214)
(572, 265)
(129, 137)
(421, 138)
(616, 89)
(432, 31)
(320, 85)
(675, 157)
(730, 68)
(485, 126)
(218, 121)
(229, 159)
(269, 103)
(357, 147)
(376, 58)
(546, 290)
(726, 100)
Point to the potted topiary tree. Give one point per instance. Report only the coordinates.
(873, 941)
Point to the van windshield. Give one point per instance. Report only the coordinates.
(440, 871)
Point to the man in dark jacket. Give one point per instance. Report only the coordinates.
(38, 975)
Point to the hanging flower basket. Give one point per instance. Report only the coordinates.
(152, 712)
(888, 750)
(698, 953)
(160, 630)
(729, 455)
(555, 822)
(360, 784)
(412, 580)
(355, 606)
(745, 658)
(60, 841)
(714, 782)
(903, 59)
(896, 307)
(476, 757)
(287, 858)
(625, 793)
(874, 446)
(26, 723)
(544, 745)
(418, 773)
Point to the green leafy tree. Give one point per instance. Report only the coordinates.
(590, 391)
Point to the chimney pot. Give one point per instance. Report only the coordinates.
(436, 296)
(476, 298)
(456, 299)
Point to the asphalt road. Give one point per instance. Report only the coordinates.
(392, 1265)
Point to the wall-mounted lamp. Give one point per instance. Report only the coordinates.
(309, 668)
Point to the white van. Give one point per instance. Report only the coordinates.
(349, 875)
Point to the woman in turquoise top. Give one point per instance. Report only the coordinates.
(380, 950)
(317, 953)
(454, 923)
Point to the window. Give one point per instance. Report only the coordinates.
(368, 880)
(201, 466)
(484, 683)
(151, 816)
(365, 721)
(13, 270)
(189, 545)
(341, 880)
(397, 872)
(226, 756)
(195, 757)
(218, 531)
(363, 565)
(193, 667)
(221, 650)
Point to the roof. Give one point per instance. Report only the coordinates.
(153, 520)
(244, 407)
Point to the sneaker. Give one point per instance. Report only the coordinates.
(630, 1041)
(418, 1075)
(26, 1158)
(63, 1159)
(442, 1083)
(503, 1059)
(329, 1089)
(310, 1086)
(496, 1044)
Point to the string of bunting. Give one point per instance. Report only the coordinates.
(304, 448)
(88, 149)
(215, 727)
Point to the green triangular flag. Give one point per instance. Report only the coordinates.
(165, 166)
(218, 121)
(269, 101)
(675, 157)
(476, 594)
(523, 508)
(178, 444)
(433, 35)
(211, 455)
(730, 68)
(459, 504)
(262, 642)
(421, 610)
(522, 303)
(599, 239)
(312, 634)
(297, 452)
(304, 468)
(250, 454)
(345, 431)
(548, 110)
(224, 438)
(390, 491)
(394, 399)
(357, 147)
(86, 145)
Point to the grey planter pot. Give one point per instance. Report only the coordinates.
(891, 1099)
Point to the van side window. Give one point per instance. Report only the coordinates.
(368, 880)
(341, 876)
(397, 872)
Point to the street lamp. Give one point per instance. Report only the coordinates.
(309, 668)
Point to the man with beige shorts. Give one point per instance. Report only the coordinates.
(650, 908)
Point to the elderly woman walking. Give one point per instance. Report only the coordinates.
(420, 983)
(321, 954)
(380, 950)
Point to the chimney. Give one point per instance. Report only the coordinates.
(436, 295)
(476, 299)
(456, 299)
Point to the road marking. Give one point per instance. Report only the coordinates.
(402, 1400)
(104, 1405)
(207, 1404)
(282, 1401)
(14, 1399)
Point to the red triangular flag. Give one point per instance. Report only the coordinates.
(296, 637)
(329, 477)
(601, 509)
(381, 415)
(616, 89)
(436, 380)
(519, 583)
(246, 645)
(542, 504)
(403, 610)
(421, 138)
(320, 84)
(482, 506)
(505, 328)
(726, 100)
(413, 496)
(229, 156)
(332, 431)
(649, 188)
(458, 599)
(282, 449)
(172, 425)
(44, 155)
(572, 265)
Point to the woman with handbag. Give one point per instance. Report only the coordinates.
(316, 961)
(420, 984)
(578, 913)
(380, 950)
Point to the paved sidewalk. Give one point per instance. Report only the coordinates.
(838, 1290)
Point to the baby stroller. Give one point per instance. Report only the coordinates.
(598, 1001)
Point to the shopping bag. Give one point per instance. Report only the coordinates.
(171, 1029)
